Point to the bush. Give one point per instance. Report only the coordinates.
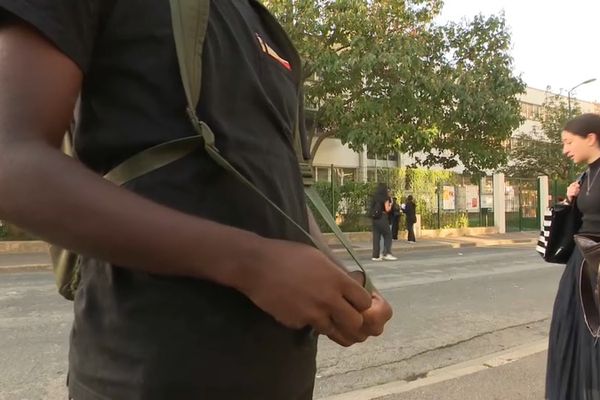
(349, 202)
(355, 200)
(12, 232)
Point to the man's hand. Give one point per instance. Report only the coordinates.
(300, 286)
(374, 320)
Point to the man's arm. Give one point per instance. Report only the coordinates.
(60, 200)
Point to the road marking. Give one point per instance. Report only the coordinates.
(26, 267)
(415, 278)
(446, 373)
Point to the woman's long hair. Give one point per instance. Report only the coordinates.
(381, 192)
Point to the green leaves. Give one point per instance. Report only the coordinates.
(382, 74)
(539, 152)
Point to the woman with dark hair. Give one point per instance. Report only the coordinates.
(410, 209)
(573, 355)
(380, 207)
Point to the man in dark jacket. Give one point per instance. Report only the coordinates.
(410, 209)
(395, 218)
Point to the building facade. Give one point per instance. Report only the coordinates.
(335, 161)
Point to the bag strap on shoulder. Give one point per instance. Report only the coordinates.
(190, 21)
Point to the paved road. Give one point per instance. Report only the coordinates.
(450, 306)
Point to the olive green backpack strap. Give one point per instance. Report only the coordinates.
(189, 26)
(320, 206)
(302, 147)
(189, 54)
(189, 23)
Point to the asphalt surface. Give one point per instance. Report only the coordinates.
(450, 306)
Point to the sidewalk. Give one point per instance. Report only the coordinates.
(513, 374)
(402, 246)
(33, 255)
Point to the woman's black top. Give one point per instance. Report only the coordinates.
(588, 201)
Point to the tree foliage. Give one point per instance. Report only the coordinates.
(539, 152)
(383, 74)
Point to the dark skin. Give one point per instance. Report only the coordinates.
(40, 186)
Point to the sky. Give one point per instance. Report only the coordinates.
(555, 43)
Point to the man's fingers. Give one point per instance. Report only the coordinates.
(348, 322)
(376, 317)
(356, 295)
(324, 326)
(341, 339)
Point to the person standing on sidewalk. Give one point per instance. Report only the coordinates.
(573, 371)
(191, 287)
(410, 209)
(380, 206)
(395, 214)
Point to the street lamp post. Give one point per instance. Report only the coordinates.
(573, 88)
(571, 164)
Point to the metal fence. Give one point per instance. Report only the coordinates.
(444, 200)
(522, 204)
(456, 204)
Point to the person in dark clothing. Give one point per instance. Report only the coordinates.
(410, 209)
(380, 206)
(191, 286)
(573, 370)
(394, 216)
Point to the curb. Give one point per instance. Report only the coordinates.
(362, 251)
(20, 247)
(25, 268)
(445, 374)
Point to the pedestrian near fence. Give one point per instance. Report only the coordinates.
(410, 210)
(380, 206)
(394, 217)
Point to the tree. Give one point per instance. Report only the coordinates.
(479, 105)
(382, 74)
(539, 152)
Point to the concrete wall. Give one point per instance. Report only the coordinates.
(333, 152)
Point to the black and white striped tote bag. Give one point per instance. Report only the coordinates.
(544, 233)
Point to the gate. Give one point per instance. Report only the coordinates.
(521, 199)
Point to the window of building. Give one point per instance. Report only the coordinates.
(379, 174)
(390, 157)
(322, 174)
(371, 175)
(341, 175)
(532, 112)
(344, 175)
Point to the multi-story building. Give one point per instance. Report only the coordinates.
(333, 158)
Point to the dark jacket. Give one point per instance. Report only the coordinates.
(410, 209)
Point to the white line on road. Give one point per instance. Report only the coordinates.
(446, 373)
(405, 281)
